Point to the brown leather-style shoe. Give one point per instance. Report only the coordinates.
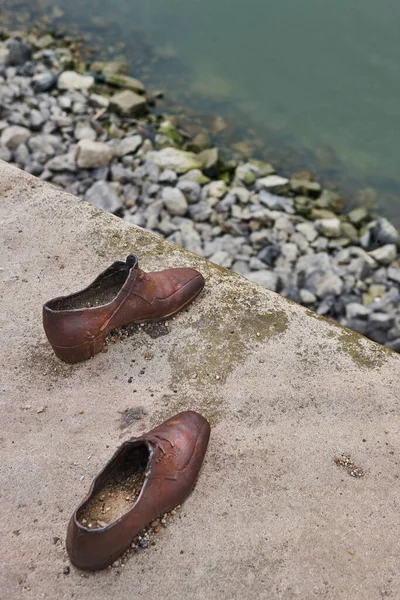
(147, 477)
(77, 325)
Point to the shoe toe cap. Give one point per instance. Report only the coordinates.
(188, 281)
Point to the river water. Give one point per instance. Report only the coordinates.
(319, 80)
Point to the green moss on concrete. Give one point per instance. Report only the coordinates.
(114, 243)
(227, 336)
(364, 353)
(355, 346)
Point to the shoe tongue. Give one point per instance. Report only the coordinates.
(132, 261)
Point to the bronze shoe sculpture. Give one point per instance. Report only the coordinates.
(147, 477)
(77, 325)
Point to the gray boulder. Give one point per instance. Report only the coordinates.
(101, 194)
(70, 80)
(128, 145)
(272, 182)
(90, 154)
(267, 279)
(177, 160)
(381, 320)
(328, 227)
(129, 104)
(18, 52)
(276, 202)
(43, 82)
(308, 230)
(13, 136)
(83, 131)
(354, 310)
(394, 274)
(5, 154)
(382, 233)
(385, 254)
(168, 176)
(62, 162)
(174, 201)
(394, 345)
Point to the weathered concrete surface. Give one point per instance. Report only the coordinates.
(272, 515)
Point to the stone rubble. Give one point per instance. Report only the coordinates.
(91, 134)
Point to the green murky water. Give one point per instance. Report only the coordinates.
(317, 82)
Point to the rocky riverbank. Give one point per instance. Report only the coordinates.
(88, 129)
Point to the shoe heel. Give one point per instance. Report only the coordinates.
(75, 354)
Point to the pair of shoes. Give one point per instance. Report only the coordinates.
(77, 325)
(150, 475)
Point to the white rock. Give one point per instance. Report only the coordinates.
(98, 101)
(4, 52)
(84, 132)
(101, 194)
(241, 267)
(168, 176)
(308, 230)
(242, 193)
(91, 155)
(13, 136)
(256, 264)
(328, 283)
(381, 320)
(394, 274)
(208, 158)
(289, 252)
(274, 202)
(177, 160)
(384, 255)
(70, 80)
(300, 241)
(174, 201)
(270, 182)
(191, 239)
(283, 224)
(5, 154)
(328, 227)
(222, 258)
(307, 297)
(268, 279)
(217, 189)
(191, 189)
(128, 145)
(354, 310)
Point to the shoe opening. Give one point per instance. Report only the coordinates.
(117, 490)
(102, 291)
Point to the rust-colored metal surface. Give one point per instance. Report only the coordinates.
(176, 452)
(77, 325)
